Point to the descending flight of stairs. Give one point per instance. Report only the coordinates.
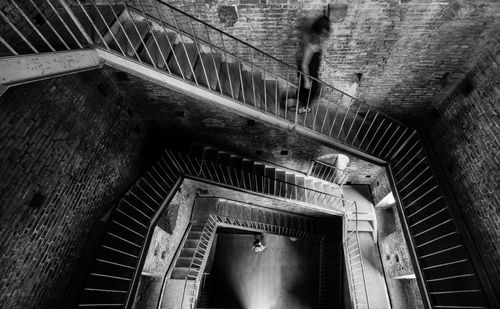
(445, 263)
(449, 273)
(208, 213)
(171, 48)
(114, 273)
(240, 166)
(117, 263)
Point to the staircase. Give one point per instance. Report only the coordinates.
(118, 262)
(179, 51)
(235, 162)
(450, 276)
(186, 276)
(259, 219)
(329, 173)
(183, 285)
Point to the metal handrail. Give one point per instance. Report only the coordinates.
(192, 18)
(186, 164)
(334, 178)
(208, 231)
(271, 57)
(86, 40)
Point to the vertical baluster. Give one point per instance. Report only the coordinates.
(18, 32)
(253, 79)
(308, 104)
(215, 171)
(197, 45)
(369, 128)
(265, 90)
(227, 65)
(168, 39)
(241, 76)
(49, 24)
(361, 126)
(64, 24)
(138, 33)
(336, 114)
(389, 140)
(375, 134)
(397, 142)
(153, 61)
(287, 83)
(383, 135)
(276, 93)
(297, 104)
(12, 50)
(93, 24)
(222, 173)
(352, 123)
(213, 59)
(317, 108)
(345, 116)
(76, 21)
(326, 116)
(183, 46)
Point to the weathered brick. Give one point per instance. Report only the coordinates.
(63, 144)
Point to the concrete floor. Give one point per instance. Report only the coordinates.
(284, 275)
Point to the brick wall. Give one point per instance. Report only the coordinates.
(380, 186)
(466, 136)
(37, 14)
(69, 148)
(166, 239)
(409, 52)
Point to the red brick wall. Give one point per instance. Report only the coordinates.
(467, 138)
(70, 142)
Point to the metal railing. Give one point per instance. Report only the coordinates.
(233, 177)
(270, 221)
(196, 267)
(170, 41)
(354, 259)
(159, 36)
(329, 173)
(195, 271)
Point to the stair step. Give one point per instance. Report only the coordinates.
(361, 216)
(111, 297)
(187, 252)
(185, 61)
(195, 235)
(130, 34)
(248, 95)
(182, 273)
(183, 261)
(363, 226)
(112, 269)
(280, 184)
(229, 76)
(159, 55)
(191, 243)
(212, 64)
(269, 96)
(103, 281)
